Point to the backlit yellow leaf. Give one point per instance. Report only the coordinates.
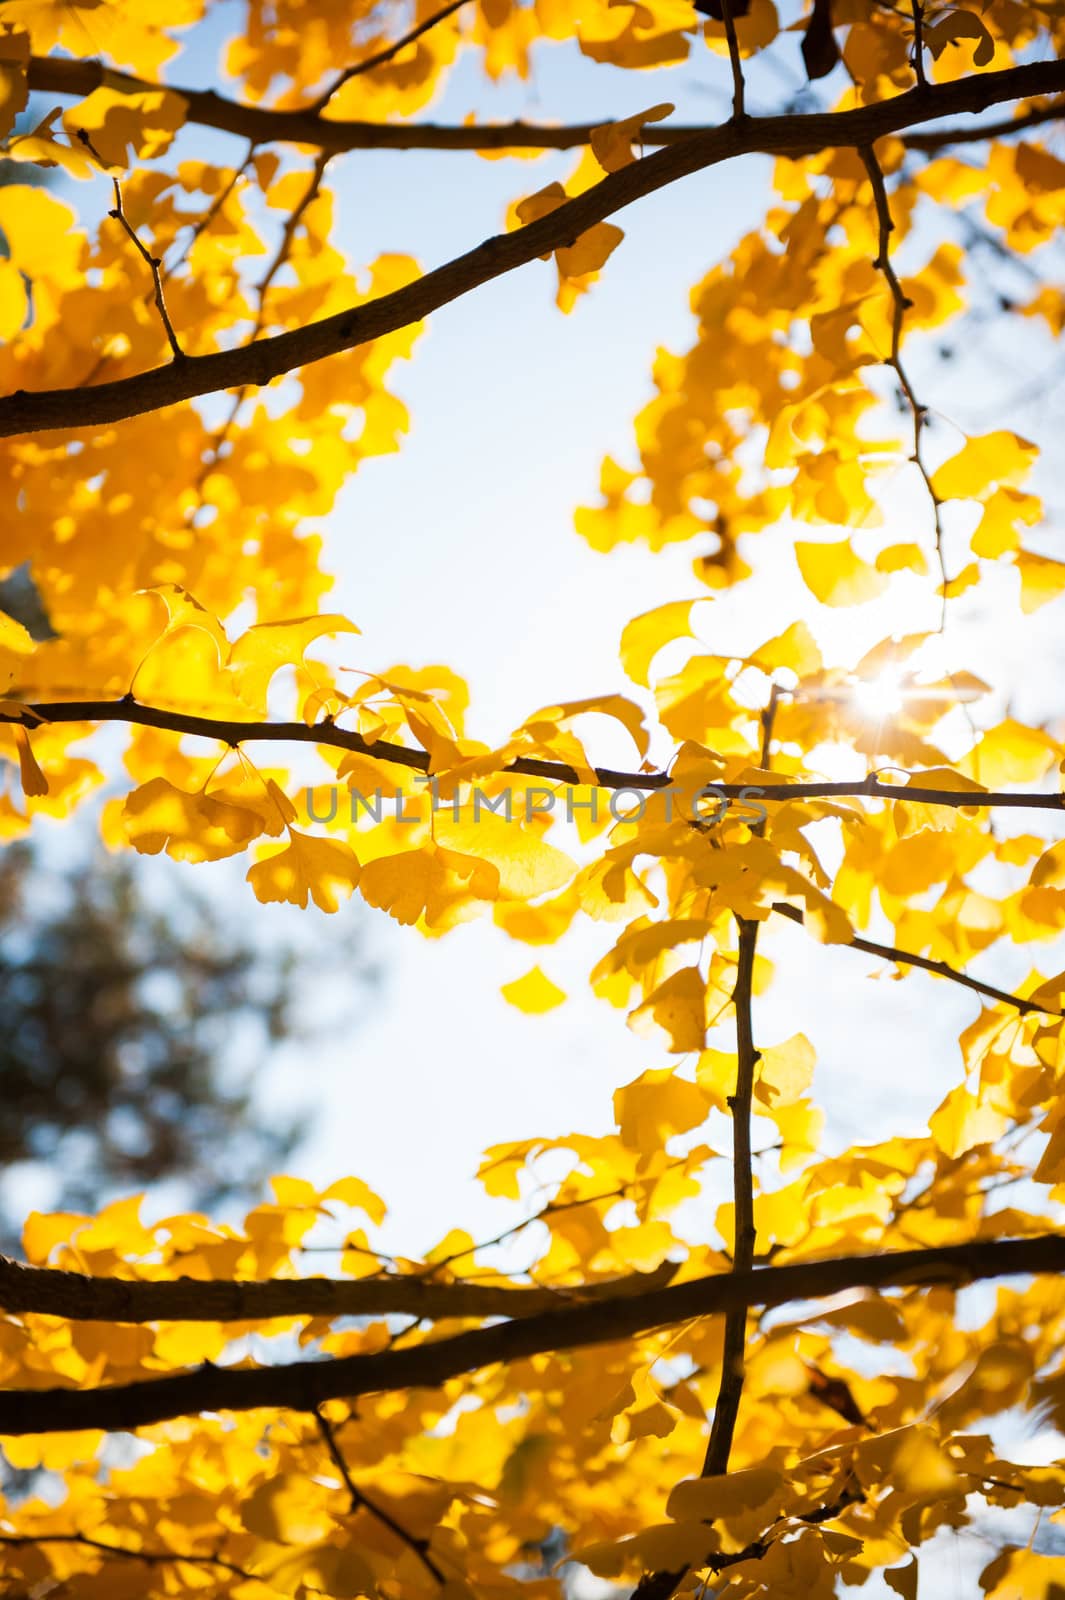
(657, 1105)
(322, 869)
(678, 1007)
(612, 142)
(836, 575)
(533, 993)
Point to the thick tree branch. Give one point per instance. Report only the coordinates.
(54, 75)
(53, 1292)
(234, 733)
(265, 359)
(304, 1385)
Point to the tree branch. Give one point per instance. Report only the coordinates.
(359, 1501)
(735, 62)
(730, 1392)
(153, 263)
(55, 75)
(304, 1385)
(900, 304)
(54, 1292)
(662, 1583)
(265, 359)
(235, 733)
(942, 969)
(148, 1558)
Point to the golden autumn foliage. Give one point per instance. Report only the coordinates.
(790, 1392)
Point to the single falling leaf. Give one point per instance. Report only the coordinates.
(533, 993)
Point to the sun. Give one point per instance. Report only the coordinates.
(880, 698)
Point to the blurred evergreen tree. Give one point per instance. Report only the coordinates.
(135, 1029)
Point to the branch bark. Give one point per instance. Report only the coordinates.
(265, 359)
(942, 969)
(53, 1292)
(234, 733)
(260, 124)
(304, 1385)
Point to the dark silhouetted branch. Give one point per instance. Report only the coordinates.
(263, 360)
(304, 1385)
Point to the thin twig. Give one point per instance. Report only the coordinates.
(726, 1410)
(918, 43)
(222, 434)
(204, 222)
(381, 57)
(151, 1558)
(738, 87)
(901, 304)
(661, 1584)
(942, 969)
(359, 1501)
(153, 262)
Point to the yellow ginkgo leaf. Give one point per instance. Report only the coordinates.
(307, 867)
(287, 1509)
(784, 1071)
(353, 1192)
(533, 992)
(678, 1007)
(189, 827)
(983, 464)
(429, 882)
(721, 1496)
(527, 865)
(34, 782)
(647, 634)
(125, 127)
(657, 1105)
(1042, 580)
(963, 1121)
(269, 646)
(612, 142)
(836, 575)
